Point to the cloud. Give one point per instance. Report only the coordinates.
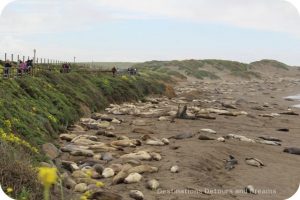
(22, 20)
(270, 15)
(55, 15)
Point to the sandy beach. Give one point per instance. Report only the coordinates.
(201, 162)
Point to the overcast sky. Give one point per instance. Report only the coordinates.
(140, 30)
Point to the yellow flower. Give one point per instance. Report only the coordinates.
(89, 173)
(7, 123)
(9, 190)
(99, 184)
(125, 78)
(47, 176)
(87, 194)
(83, 198)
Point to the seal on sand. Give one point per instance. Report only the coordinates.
(292, 150)
(182, 136)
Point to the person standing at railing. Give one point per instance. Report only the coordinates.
(29, 66)
(22, 67)
(114, 71)
(7, 67)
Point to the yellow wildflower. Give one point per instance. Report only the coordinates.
(99, 184)
(125, 78)
(89, 173)
(87, 194)
(9, 190)
(47, 176)
(7, 123)
(83, 198)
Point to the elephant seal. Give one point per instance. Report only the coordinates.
(273, 139)
(182, 136)
(136, 194)
(104, 195)
(254, 162)
(292, 150)
(204, 137)
(283, 129)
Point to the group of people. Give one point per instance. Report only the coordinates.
(65, 68)
(130, 71)
(22, 67)
(25, 67)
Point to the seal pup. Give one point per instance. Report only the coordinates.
(152, 184)
(137, 195)
(254, 162)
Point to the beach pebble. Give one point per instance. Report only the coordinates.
(174, 169)
(137, 195)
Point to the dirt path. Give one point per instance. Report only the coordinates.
(202, 173)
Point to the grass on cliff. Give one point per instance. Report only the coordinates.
(34, 110)
(39, 107)
(199, 68)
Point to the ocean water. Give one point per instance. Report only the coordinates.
(296, 98)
